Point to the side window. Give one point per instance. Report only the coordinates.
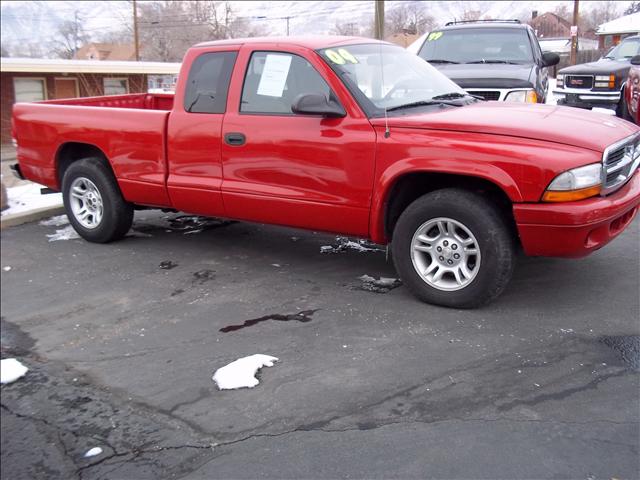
(208, 82)
(273, 80)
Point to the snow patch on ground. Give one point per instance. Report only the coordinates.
(343, 244)
(11, 370)
(241, 373)
(66, 233)
(24, 198)
(57, 221)
(380, 285)
(93, 452)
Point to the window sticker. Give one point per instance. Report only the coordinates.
(340, 57)
(274, 75)
(434, 36)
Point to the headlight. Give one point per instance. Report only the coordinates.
(575, 184)
(524, 96)
(560, 81)
(605, 81)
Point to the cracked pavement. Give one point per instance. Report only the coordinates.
(542, 383)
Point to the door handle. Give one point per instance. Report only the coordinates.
(235, 138)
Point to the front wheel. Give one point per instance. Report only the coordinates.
(94, 203)
(454, 248)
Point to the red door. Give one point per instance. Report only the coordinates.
(298, 170)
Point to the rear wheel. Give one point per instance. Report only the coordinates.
(453, 248)
(94, 203)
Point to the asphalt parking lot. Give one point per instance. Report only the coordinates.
(122, 340)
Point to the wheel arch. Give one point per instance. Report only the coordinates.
(409, 186)
(70, 152)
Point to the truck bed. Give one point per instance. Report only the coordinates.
(141, 101)
(131, 134)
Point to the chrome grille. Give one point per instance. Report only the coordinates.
(620, 161)
(579, 81)
(487, 94)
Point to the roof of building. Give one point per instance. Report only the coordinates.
(626, 24)
(546, 15)
(563, 45)
(106, 51)
(49, 65)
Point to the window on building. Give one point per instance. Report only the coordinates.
(29, 89)
(274, 80)
(116, 86)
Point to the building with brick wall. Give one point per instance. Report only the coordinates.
(106, 51)
(550, 25)
(611, 33)
(36, 79)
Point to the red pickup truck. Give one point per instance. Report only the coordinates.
(344, 135)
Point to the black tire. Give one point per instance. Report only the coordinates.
(490, 229)
(117, 213)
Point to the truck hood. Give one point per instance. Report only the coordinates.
(604, 66)
(565, 125)
(488, 75)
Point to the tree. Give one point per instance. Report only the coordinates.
(350, 29)
(409, 18)
(69, 37)
(168, 28)
(634, 7)
(563, 12)
(471, 15)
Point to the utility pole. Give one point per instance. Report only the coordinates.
(379, 20)
(135, 31)
(573, 59)
(287, 19)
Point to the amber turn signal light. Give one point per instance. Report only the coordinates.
(570, 195)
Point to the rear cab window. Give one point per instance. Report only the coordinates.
(208, 82)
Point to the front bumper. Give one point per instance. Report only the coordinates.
(576, 229)
(575, 97)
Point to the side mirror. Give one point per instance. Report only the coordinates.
(317, 104)
(635, 60)
(549, 59)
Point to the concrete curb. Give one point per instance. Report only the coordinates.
(30, 216)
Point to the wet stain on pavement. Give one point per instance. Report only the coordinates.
(203, 276)
(304, 316)
(13, 340)
(190, 223)
(627, 347)
(167, 265)
(186, 224)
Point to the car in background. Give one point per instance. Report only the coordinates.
(599, 84)
(632, 92)
(493, 59)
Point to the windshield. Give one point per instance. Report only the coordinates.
(626, 50)
(478, 45)
(387, 77)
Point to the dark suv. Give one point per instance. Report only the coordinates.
(598, 84)
(493, 59)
